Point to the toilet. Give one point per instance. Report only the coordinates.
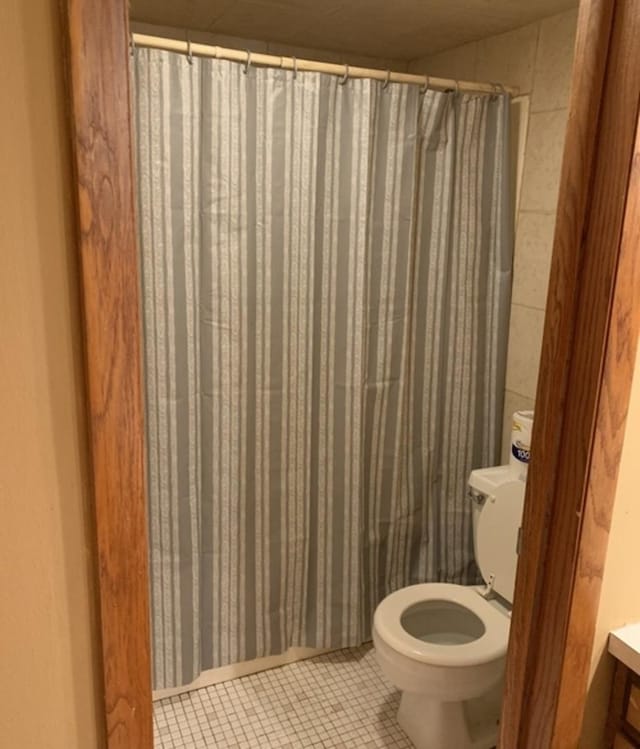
(443, 645)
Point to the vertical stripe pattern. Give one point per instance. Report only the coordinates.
(326, 272)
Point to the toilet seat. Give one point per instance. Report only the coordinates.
(492, 644)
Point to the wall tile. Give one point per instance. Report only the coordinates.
(249, 16)
(509, 58)
(199, 37)
(193, 14)
(537, 60)
(525, 342)
(543, 161)
(458, 63)
(257, 45)
(552, 77)
(512, 402)
(532, 258)
(340, 58)
(234, 42)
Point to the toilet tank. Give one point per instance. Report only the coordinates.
(498, 499)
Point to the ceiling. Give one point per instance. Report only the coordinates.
(400, 29)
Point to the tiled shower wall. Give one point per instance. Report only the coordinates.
(537, 60)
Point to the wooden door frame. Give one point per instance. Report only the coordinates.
(588, 354)
(590, 336)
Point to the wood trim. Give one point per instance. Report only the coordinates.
(608, 440)
(99, 81)
(590, 56)
(590, 337)
(617, 702)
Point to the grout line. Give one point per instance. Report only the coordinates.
(549, 111)
(538, 211)
(521, 395)
(527, 306)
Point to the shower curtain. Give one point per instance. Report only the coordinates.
(326, 270)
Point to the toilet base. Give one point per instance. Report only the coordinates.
(442, 725)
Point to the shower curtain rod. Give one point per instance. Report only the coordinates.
(194, 49)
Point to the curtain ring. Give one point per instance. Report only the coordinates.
(248, 62)
(386, 80)
(132, 45)
(295, 68)
(425, 86)
(498, 88)
(345, 77)
(189, 52)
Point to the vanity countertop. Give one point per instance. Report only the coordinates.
(624, 644)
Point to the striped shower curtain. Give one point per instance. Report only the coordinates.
(326, 271)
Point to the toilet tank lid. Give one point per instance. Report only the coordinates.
(487, 480)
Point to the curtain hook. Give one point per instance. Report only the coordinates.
(132, 45)
(345, 77)
(386, 80)
(457, 87)
(189, 52)
(425, 86)
(295, 68)
(248, 62)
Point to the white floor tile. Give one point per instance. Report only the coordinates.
(339, 700)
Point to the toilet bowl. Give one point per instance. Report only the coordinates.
(444, 645)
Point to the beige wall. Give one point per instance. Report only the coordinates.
(537, 60)
(48, 686)
(620, 596)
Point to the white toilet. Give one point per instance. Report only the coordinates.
(444, 646)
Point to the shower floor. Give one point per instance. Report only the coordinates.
(339, 699)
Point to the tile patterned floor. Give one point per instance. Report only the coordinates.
(335, 700)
